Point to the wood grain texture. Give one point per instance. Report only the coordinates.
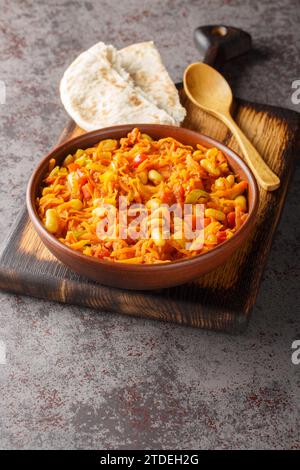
(220, 300)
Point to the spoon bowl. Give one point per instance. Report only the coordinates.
(208, 87)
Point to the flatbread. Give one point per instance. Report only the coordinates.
(143, 63)
(97, 92)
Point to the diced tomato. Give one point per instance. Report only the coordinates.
(102, 253)
(138, 159)
(168, 197)
(221, 236)
(207, 221)
(231, 219)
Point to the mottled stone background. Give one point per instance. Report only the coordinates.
(76, 378)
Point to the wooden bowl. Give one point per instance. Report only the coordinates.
(136, 276)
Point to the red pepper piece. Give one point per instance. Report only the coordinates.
(138, 159)
(231, 219)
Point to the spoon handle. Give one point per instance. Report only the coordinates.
(264, 175)
(219, 43)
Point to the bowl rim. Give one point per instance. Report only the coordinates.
(52, 240)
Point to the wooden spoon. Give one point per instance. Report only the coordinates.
(210, 91)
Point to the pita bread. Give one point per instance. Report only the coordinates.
(97, 92)
(143, 63)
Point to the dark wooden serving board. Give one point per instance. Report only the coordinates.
(220, 300)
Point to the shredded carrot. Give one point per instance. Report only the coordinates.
(148, 172)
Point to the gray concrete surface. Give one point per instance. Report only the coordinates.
(75, 378)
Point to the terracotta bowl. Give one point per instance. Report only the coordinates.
(135, 276)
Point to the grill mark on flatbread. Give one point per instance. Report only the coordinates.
(143, 63)
(135, 100)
